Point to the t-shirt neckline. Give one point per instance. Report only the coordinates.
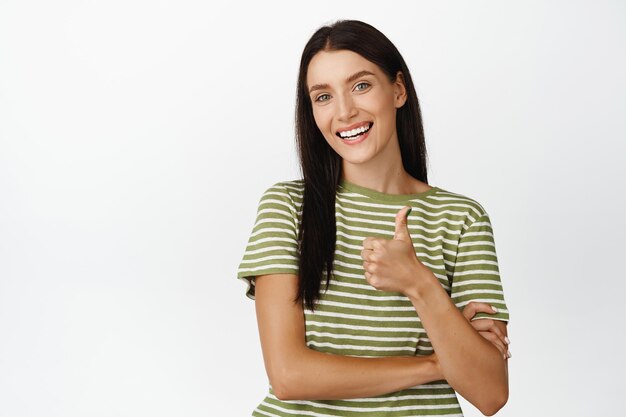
(384, 196)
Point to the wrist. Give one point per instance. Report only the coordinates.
(426, 369)
(423, 283)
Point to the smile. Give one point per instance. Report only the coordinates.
(354, 134)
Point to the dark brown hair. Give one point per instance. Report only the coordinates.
(321, 165)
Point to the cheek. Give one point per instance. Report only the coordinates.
(386, 115)
(323, 120)
(384, 106)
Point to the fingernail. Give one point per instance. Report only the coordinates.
(506, 339)
(494, 309)
(508, 353)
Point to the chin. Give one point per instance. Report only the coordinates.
(355, 159)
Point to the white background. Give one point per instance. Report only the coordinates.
(136, 138)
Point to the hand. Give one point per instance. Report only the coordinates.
(488, 328)
(391, 265)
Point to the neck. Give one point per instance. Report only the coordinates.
(385, 174)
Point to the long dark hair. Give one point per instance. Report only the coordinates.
(321, 165)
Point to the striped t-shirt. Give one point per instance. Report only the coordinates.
(452, 236)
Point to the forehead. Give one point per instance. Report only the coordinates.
(333, 67)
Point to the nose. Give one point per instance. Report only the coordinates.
(346, 108)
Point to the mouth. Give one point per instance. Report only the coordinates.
(356, 133)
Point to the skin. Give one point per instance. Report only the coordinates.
(297, 372)
(375, 163)
(474, 367)
(470, 354)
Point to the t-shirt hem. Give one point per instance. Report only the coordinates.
(504, 319)
(248, 277)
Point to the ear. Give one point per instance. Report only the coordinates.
(399, 90)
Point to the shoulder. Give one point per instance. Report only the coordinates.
(462, 206)
(295, 188)
(291, 191)
(283, 198)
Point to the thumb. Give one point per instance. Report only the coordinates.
(402, 229)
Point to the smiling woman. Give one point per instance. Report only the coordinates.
(412, 310)
(359, 101)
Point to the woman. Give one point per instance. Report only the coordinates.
(406, 265)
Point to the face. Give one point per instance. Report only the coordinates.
(354, 106)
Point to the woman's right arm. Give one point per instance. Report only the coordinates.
(297, 372)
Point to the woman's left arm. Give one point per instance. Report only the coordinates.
(472, 365)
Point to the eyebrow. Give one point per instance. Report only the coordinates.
(348, 80)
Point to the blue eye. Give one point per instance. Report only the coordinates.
(365, 85)
(323, 97)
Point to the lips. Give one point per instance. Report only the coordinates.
(354, 131)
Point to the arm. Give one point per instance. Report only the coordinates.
(494, 331)
(472, 365)
(297, 372)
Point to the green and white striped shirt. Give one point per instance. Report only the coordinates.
(452, 235)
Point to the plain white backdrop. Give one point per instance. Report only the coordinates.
(136, 138)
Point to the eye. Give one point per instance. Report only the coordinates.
(361, 86)
(322, 97)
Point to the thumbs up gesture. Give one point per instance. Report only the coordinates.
(391, 265)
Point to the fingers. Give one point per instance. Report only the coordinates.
(497, 342)
(369, 267)
(495, 330)
(474, 307)
(371, 243)
(369, 256)
(485, 325)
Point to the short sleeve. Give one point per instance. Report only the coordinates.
(476, 275)
(272, 247)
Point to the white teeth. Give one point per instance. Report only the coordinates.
(354, 132)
